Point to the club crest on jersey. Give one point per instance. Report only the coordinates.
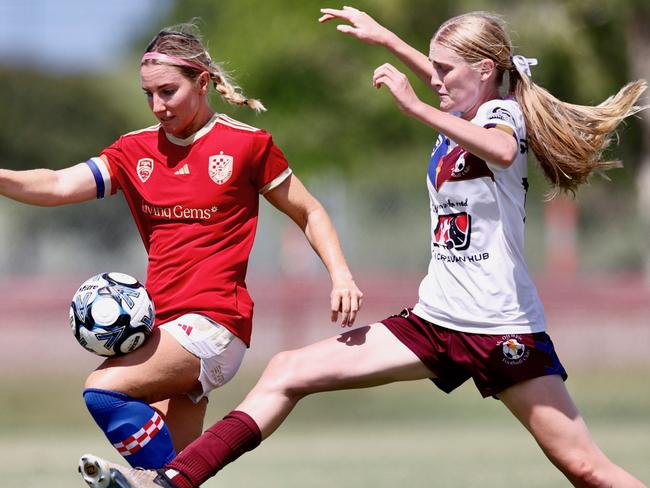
(220, 168)
(144, 169)
(461, 167)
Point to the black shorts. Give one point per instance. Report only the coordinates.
(494, 362)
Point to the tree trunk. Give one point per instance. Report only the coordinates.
(638, 42)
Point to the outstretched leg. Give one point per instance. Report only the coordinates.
(543, 405)
(364, 357)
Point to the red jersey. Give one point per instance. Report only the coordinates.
(195, 202)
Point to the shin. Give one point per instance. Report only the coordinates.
(135, 429)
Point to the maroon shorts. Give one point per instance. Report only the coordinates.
(494, 362)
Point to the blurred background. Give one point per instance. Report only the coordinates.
(69, 86)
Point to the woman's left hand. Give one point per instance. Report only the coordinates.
(346, 299)
(398, 85)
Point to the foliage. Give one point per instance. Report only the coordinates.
(53, 121)
(323, 112)
(316, 81)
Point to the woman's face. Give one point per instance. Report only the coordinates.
(178, 102)
(461, 87)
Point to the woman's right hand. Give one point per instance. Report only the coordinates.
(345, 299)
(362, 26)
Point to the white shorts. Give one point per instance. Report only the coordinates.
(220, 351)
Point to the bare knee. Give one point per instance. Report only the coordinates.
(588, 469)
(285, 375)
(99, 379)
(107, 379)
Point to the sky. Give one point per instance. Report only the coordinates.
(73, 35)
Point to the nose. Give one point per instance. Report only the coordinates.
(157, 105)
(435, 82)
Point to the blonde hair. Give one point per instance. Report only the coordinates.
(568, 140)
(184, 41)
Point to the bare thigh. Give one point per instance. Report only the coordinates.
(543, 405)
(160, 369)
(545, 408)
(361, 358)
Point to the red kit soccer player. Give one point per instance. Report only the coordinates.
(192, 183)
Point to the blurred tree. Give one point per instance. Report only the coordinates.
(316, 83)
(50, 121)
(323, 110)
(57, 121)
(637, 22)
(328, 118)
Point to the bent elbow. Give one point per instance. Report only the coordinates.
(505, 158)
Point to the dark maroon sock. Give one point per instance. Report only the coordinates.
(234, 435)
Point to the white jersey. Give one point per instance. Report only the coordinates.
(478, 280)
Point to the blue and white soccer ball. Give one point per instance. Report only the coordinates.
(111, 314)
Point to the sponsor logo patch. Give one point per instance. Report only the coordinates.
(502, 114)
(453, 231)
(144, 169)
(220, 167)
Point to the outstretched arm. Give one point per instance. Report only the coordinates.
(367, 29)
(292, 198)
(49, 188)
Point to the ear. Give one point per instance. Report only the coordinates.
(203, 82)
(487, 69)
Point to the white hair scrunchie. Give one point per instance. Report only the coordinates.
(522, 64)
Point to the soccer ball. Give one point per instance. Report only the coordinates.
(111, 314)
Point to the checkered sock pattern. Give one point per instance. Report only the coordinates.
(135, 429)
(142, 437)
(224, 442)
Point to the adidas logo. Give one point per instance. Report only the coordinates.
(184, 170)
(186, 328)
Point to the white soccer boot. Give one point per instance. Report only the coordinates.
(99, 473)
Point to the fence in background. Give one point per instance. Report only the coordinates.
(598, 319)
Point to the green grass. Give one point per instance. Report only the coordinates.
(399, 435)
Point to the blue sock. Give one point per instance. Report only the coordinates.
(135, 429)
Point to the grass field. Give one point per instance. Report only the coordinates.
(407, 434)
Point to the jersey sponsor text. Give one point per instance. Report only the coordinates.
(178, 212)
(472, 258)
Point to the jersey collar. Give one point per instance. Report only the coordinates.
(197, 135)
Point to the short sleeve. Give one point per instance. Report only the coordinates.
(270, 165)
(505, 115)
(104, 170)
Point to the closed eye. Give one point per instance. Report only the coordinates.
(442, 68)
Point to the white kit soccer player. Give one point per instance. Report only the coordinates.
(477, 233)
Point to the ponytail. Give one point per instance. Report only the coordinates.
(568, 140)
(184, 49)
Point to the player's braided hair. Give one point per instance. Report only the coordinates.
(568, 140)
(184, 41)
